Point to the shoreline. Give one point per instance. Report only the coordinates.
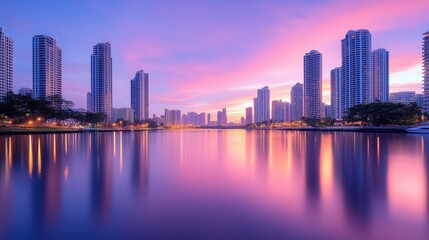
(28, 131)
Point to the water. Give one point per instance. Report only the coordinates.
(214, 184)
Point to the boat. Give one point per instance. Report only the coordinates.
(419, 129)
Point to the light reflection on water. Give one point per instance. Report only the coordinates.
(215, 184)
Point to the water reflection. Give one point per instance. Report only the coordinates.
(274, 183)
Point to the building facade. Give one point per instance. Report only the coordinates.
(101, 80)
(262, 105)
(336, 93)
(221, 118)
(47, 67)
(26, 92)
(140, 95)
(249, 115)
(356, 85)
(313, 84)
(404, 97)
(126, 114)
(6, 64)
(380, 75)
(425, 63)
(172, 117)
(296, 102)
(280, 111)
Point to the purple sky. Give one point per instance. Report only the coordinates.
(206, 55)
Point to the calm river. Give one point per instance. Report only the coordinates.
(214, 184)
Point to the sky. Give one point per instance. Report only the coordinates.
(207, 55)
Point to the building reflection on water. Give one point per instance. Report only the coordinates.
(344, 180)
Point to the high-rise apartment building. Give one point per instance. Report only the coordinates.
(356, 85)
(313, 84)
(172, 117)
(404, 97)
(336, 93)
(249, 115)
(296, 102)
(140, 95)
(101, 80)
(425, 62)
(221, 117)
(6, 64)
(280, 111)
(380, 75)
(47, 67)
(262, 105)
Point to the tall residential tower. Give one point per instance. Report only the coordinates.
(140, 95)
(6, 64)
(336, 93)
(296, 102)
(101, 80)
(47, 67)
(313, 84)
(380, 75)
(262, 105)
(356, 85)
(425, 62)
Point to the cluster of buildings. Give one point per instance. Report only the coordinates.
(363, 77)
(47, 78)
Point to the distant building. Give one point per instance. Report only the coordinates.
(221, 118)
(380, 75)
(126, 114)
(140, 95)
(47, 67)
(425, 62)
(336, 93)
(26, 91)
(420, 100)
(280, 111)
(356, 87)
(172, 117)
(296, 102)
(201, 121)
(262, 105)
(208, 119)
(249, 115)
(313, 84)
(88, 101)
(6, 64)
(101, 80)
(243, 121)
(404, 97)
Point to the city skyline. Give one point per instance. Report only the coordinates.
(179, 87)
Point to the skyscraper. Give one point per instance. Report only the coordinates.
(6, 64)
(280, 111)
(101, 80)
(356, 85)
(221, 117)
(380, 75)
(249, 115)
(296, 102)
(313, 84)
(47, 67)
(336, 93)
(172, 117)
(140, 95)
(425, 61)
(262, 105)
(88, 101)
